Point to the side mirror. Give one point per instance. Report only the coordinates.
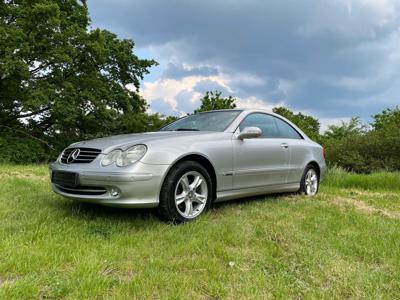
(250, 133)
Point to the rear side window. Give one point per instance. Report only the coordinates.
(265, 122)
(286, 131)
(270, 126)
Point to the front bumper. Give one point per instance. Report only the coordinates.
(136, 186)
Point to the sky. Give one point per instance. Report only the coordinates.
(333, 59)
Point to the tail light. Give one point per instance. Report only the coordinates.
(324, 153)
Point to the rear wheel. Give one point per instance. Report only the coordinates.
(309, 184)
(186, 192)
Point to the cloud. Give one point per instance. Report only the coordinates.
(177, 71)
(161, 106)
(335, 58)
(255, 103)
(180, 95)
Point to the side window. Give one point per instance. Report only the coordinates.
(286, 131)
(265, 122)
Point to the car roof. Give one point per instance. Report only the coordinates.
(239, 109)
(216, 110)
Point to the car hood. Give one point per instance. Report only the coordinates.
(125, 141)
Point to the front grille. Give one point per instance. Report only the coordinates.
(82, 190)
(65, 178)
(85, 156)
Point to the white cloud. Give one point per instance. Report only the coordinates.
(168, 90)
(253, 102)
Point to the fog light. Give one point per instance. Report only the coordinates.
(114, 193)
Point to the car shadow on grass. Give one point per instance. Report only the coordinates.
(94, 211)
(90, 211)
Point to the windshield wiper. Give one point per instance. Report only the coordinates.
(186, 129)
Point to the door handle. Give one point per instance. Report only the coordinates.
(284, 146)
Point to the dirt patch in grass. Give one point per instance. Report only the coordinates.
(363, 207)
(371, 193)
(20, 175)
(7, 280)
(119, 275)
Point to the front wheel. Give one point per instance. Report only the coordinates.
(186, 192)
(309, 184)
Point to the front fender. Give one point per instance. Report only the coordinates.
(218, 151)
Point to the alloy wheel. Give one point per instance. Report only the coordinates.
(191, 194)
(311, 182)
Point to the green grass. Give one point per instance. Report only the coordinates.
(344, 243)
(339, 178)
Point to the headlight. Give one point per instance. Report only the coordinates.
(131, 155)
(124, 158)
(110, 158)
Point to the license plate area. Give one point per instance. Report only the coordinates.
(63, 178)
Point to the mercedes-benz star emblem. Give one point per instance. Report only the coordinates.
(73, 155)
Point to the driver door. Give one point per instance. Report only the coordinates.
(262, 161)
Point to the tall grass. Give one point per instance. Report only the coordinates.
(340, 178)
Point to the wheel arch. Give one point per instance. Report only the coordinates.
(316, 166)
(205, 162)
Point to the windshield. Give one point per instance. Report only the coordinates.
(208, 121)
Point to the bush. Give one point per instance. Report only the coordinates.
(23, 150)
(372, 151)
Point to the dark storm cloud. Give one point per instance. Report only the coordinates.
(177, 71)
(323, 56)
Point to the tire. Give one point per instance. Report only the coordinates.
(309, 184)
(186, 193)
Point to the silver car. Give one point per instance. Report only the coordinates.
(191, 163)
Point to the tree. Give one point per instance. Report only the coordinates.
(388, 118)
(144, 122)
(351, 128)
(308, 124)
(360, 148)
(58, 77)
(212, 101)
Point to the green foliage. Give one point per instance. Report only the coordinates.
(364, 151)
(353, 127)
(143, 122)
(20, 150)
(59, 77)
(345, 152)
(213, 101)
(387, 119)
(308, 124)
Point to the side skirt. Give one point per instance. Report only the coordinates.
(261, 190)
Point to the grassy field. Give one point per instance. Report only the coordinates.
(344, 243)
